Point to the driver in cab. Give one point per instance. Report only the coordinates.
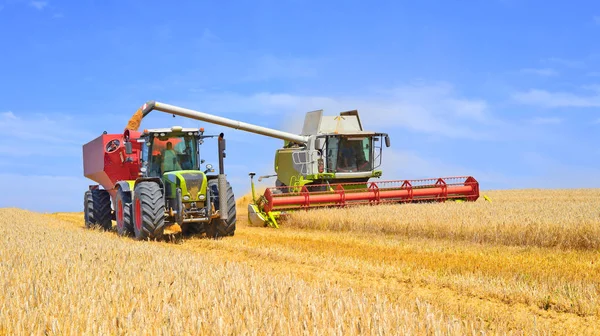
(170, 161)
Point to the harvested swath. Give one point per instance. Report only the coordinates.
(568, 219)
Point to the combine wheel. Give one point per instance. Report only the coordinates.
(148, 211)
(218, 227)
(123, 216)
(97, 210)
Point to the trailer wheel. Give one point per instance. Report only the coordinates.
(148, 211)
(97, 209)
(218, 227)
(123, 213)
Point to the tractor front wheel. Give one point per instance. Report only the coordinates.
(97, 209)
(218, 227)
(123, 213)
(148, 211)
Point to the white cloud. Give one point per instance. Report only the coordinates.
(8, 115)
(433, 109)
(401, 164)
(41, 135)
(548, 99)
(39, 5)
(546, 121)
(208, 36)
(564, 62)
(547, 72)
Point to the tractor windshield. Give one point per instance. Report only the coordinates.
(172, 152)
(349, 154)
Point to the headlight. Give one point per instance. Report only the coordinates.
(209, 166)
(186, 198)
(202, 197)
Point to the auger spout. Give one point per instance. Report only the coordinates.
(184, 112)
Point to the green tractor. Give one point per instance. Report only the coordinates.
(156, 185)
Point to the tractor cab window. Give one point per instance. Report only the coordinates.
(173, 153)
(349, 154)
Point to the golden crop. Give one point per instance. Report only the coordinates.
(543, 218)
(528, 263)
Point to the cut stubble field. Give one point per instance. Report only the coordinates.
(527, 263)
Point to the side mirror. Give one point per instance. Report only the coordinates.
(387, 141)
(128, 149)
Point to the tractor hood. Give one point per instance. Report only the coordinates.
(192, 184)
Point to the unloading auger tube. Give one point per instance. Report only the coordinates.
(184, 112)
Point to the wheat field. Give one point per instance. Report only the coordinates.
(527, 263)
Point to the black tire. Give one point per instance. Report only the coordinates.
(218, 227)
(97, 209)
(123, 213)
(148, 211)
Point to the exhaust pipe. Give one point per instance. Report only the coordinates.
(222, 181)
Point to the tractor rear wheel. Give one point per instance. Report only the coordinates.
(97, 209)
(123, 213)
(218, 227)
(148, 211)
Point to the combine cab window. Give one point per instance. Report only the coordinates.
(173, 153)
(349, 154)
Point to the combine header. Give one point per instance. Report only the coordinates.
(278, 201)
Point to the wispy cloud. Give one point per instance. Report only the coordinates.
(548, 99)
(208, 36)
(434, 109)
(540, 72)
(546, 121)
(563, 62)
(41, 135)
(39, 5)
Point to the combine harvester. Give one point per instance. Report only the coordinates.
(330, 164)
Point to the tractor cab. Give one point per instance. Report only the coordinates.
(170, 149)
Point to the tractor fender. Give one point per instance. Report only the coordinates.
(153, 179)
(126, 186)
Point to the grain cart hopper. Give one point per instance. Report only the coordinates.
(152, 180)
(330, 164)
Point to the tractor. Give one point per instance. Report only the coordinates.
(153, 185)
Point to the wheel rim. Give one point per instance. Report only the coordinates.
(138, 215)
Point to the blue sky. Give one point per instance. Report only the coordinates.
(506, 91)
